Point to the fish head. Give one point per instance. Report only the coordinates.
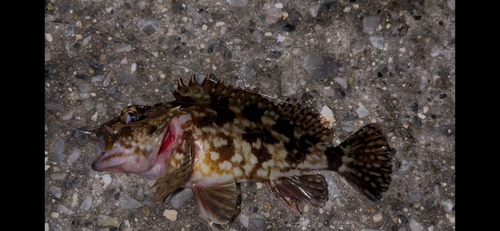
(133, 141)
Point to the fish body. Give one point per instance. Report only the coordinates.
(213, 136)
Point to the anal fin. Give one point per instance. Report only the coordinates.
(217, 201)
(310, 187)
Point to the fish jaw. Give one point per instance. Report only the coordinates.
(141, 147)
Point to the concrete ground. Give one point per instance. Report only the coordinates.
(390, 62)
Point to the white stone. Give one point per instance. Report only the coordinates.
(362, 112)
(377, 217)
(415, 226)
(219, 24)
(170, 214)
(133, 67)
(327, 113)
(244, 220)
(107, 179)
(451, 218)
(447, 205)
(426, 109)
(48, 37)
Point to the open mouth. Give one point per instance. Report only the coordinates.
(151, 163)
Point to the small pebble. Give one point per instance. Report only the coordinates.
(362, 112)
(451, 218)
(146, 211)
(377, 217)
(130, 203)
(170, 214)
(86, 204)
(48, 37)
(56, 191)
(327, 113)
(107, 179)
(243, 219)
(63, 209)
(104, 220)
(415, 226)
(257, 222)
(267, 205)
(58, 176)
(204, 27)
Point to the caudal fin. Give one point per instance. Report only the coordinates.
(364, 161)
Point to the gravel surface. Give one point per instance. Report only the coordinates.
(389, 62)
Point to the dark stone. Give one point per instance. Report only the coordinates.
(76, 46)
(440, 23)
(183, 30)
(48, 71)
(117, 196)
(320, 66)
(84, 77)
(350, 117)
(404, 220)
(257, 222)
(379, 74)
(251, 26)
(417, 17)
(70, 69)
(429, 204)
(417, 121)
(397, 165)
(403, 30)
(414, 107)
(453, 178)
(255, 209)
(442, 96)
(296, 219)
(68, 185)
(275, 54)
(392, 152)
(325, 223)
(295, 18)
(288, 27)
(80, 137)
(340, 93)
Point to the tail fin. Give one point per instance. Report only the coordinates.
(364, 161)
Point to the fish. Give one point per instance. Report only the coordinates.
(214, 136)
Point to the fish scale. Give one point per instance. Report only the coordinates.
(213, 136)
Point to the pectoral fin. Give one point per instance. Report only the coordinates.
(217, 201)
(311, 188)
(171, 181)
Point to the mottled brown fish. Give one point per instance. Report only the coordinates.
(214, 136)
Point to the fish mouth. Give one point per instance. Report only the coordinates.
(150, 164)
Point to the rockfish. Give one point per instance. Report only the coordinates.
(214, 136)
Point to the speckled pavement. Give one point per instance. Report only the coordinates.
(389, 62)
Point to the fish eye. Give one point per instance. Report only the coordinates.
(130, 115)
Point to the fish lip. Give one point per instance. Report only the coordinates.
(118, 168)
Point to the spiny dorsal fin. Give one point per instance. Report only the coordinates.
(305, 121)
